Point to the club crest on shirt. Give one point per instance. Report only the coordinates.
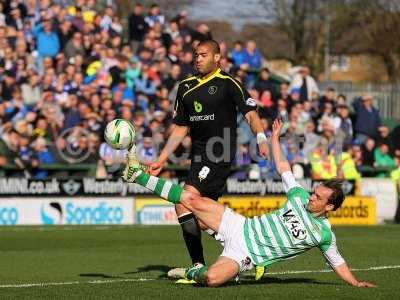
(212, 89)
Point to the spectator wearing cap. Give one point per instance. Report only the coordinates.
(137, 27)
(307, 84)
(367, 118)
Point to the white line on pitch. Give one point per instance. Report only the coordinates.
(45, 284)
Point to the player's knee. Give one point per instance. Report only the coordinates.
(194, 201)
(212, 279)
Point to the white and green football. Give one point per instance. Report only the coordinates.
(120, 134)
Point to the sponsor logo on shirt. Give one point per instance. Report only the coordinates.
(198, 107)
(202, 118)
(293, 225)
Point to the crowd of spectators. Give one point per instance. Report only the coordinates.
(67, 70)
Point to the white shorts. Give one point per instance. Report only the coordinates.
(231, 231)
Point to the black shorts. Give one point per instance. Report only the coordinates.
(209, 178)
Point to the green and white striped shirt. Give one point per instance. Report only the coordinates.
(290, 231)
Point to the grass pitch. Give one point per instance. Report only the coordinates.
(130, 262)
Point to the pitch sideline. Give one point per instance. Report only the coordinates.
(46, 284)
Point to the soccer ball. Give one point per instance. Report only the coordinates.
(120, 134)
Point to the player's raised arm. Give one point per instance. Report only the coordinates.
(255, 124)
(282, 165)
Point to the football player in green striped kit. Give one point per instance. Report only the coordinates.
(301, 224)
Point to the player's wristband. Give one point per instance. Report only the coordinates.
(261, 137)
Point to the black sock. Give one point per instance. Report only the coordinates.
(192, 236)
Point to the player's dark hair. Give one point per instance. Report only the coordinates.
(337, 196)
(212, 44)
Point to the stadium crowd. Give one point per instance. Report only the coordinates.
(65, 71)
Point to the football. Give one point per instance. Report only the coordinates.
(120, 134)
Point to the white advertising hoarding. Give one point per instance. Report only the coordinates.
(66, 211)
(385, 193)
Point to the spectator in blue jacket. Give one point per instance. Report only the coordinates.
(43, 157)
(47, 41)
(252, 56)
(252, 61)
(237, 54)
(367, 119)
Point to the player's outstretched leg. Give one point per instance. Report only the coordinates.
(161, 187)
(206, 210)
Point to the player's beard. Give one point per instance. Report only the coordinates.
(206, 68)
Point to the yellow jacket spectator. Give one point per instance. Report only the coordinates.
(323, 166)
(395, 175)
(348, 167)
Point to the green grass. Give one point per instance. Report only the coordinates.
(81, 255)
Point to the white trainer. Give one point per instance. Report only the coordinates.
(177, 273)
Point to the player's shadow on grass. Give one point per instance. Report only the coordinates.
(275, 280)
(149, 268)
